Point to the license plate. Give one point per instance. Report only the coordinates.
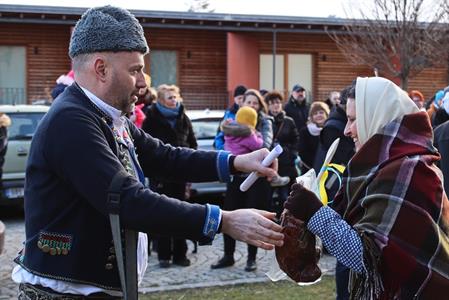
(13, 193)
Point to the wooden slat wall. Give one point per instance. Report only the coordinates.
(46, 54)
(333, 72)
(202, 67)
(202, 61)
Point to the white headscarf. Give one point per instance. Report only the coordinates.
(378, 101)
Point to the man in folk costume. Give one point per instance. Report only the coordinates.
(391, 220)
(86, 204)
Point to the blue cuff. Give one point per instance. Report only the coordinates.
(212, 222)
(224, 174)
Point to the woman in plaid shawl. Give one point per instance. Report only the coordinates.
(391, 224)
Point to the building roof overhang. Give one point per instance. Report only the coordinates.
(178, 20)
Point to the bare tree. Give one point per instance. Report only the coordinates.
(199, 6)
(398, 39)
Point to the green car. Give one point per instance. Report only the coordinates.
(24, 121)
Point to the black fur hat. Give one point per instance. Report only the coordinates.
(107, 28)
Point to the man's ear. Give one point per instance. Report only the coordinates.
(101, 68)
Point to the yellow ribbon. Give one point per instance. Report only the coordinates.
(321, 184)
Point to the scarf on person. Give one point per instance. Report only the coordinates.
(314, 130)
(170, 114)
(392, 195)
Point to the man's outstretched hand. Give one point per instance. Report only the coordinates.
(302, 203)
(251, 162)
(253, 226)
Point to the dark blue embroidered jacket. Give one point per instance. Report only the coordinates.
(73, 158)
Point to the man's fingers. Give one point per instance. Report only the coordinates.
(266, 214)
(261, 244)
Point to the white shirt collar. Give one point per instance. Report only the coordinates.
(115, 114)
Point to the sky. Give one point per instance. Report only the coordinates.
(304, 8)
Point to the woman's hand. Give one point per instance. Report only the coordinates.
(302, 203)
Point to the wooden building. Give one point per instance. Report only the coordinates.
(205, 54)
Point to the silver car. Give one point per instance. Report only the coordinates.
(205, 124)
(24, 121)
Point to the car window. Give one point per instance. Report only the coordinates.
(205, 128)
(23, 125)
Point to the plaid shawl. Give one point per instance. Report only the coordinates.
(392, 195)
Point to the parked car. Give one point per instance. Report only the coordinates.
(205, 124)
(24, 121)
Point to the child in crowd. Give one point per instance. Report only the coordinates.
(242, 137)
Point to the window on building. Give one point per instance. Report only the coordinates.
(163, 67)
(12, 75)
(290, 70)
(266, 72)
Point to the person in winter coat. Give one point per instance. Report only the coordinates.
(5, 122)
(167, 121)
(297, 107)
(441, 142)
(333, 129)
(285, 134)
(229, 115)
(86, 201)
(309, 136)
(62, 82)
(241, 136)
(259, 195)
(390, 217)
(333, 100)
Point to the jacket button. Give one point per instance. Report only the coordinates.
(64, 251)
(111, 257)
(45, 248)
(108, 266)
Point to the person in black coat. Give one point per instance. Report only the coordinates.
(297, 108)
(333, 129)
(285, 134)
(85, 196)
(309, 136)
(5, 122)
(167, 121)
(441, 141)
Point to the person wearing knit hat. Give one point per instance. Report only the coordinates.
(239, 91)
(247, 116)
(87, 204)
(241, 136)
(229, 115)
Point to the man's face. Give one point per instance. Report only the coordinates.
(299, 95)
(351, 126)
(125, 78)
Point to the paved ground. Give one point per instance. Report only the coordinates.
(197, 275)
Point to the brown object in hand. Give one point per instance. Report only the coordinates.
(298, 257)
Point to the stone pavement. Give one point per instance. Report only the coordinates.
(199, 274)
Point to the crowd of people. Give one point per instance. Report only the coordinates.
(82, 226)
